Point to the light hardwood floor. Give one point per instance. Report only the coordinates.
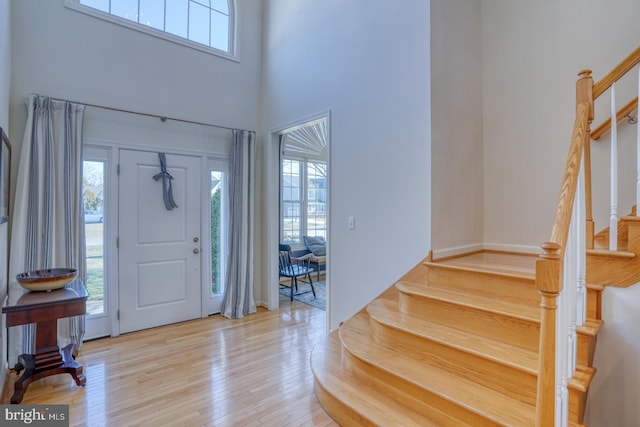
(207, 372)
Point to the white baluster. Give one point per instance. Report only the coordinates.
(613, 218)
(581, 259)
(638, 148)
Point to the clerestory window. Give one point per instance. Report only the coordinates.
(203, 24)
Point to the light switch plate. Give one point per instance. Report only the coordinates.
(351, 223)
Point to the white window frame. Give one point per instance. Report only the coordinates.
(101, 325)
(231, 54)
(304, 201)
(211, 302)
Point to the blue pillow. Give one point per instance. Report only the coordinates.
(316, 244)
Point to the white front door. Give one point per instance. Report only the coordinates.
(159, 249)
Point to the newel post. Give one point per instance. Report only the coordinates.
(549, 284)
(584, 93)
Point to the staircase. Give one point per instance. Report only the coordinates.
(492, 338)
(454, 343)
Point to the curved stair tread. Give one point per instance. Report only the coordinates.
(500, 263)
(387, 312)
(520, 310)
(488, 403)
(371, 405)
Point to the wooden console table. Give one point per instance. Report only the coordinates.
(44, 309)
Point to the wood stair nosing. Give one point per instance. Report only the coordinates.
(606, 253)
(492, 363)
(351, 402)
(591, 327)
(508, 287)
(381, 366)
(596, 287)
(582, 377)
(503, 321)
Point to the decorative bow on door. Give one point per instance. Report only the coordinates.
(167, 189)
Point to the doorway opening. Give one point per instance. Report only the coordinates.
(303, 201)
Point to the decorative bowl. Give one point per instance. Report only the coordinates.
(47, 279)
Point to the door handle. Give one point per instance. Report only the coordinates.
(196, 251)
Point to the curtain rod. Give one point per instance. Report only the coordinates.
(162, 118)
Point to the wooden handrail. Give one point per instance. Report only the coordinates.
(549, 268)
(621, 114)
(560, 229)
(614, 75)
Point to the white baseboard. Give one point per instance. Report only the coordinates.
(525, 249)
(459, 250)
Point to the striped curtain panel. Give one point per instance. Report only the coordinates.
(48, 227)
(238, 294)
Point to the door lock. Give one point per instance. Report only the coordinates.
(196, 240)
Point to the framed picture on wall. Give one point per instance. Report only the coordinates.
(5, 174)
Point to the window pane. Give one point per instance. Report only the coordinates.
(93, 198)
(219, 31)
(217, 285)
(152, 13)
(316, 199)
(291, 180)
(102, 5)
(127, 9)
(198, 23)
(221, 6)
(291, 223)
(177, 17)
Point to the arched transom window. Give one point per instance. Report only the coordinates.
(203, 24)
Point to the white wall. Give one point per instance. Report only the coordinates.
(368, 63)
(613, 397)
(66, 54)
(456, 131)
(532, 52)
(5, 61)
(5, 72)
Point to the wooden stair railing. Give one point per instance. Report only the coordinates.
(616, 74)
(549, 268)
(552, 267)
